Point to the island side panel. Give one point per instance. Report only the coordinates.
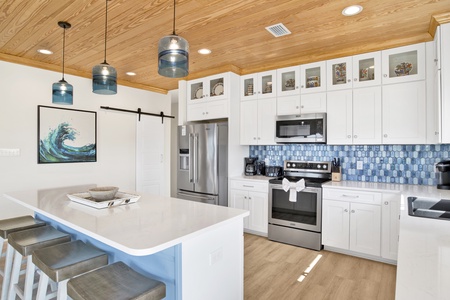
(164, 265)
(213, 264)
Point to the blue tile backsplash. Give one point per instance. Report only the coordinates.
(407, 164)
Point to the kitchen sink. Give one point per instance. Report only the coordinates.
(429, 208)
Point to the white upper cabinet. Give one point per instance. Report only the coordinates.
(404, 113)
(445, 79)
(259, 85)
(213, 87)
(312, 77)
(403, 64)
(339, 73)
(288, 80)
(367, 69)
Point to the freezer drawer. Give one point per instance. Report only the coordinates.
(198, 197)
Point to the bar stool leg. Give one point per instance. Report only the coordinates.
(62, 290)
(42, 287)
(29, 279)
(14, 275)
(7, 272)
(2, 244)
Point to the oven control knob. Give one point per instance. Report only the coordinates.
(288, 165)
(293, 165)
(318, 166)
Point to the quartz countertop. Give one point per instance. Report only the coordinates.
(152, 224)
(423, 265)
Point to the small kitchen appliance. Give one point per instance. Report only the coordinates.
(297, 220)
(443, 175)
(296, 129)
(274, 171)
(250, 166)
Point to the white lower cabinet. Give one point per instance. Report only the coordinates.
(352, 226)
(361, 223)
(251, 195)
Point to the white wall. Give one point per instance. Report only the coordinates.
(23, 88)
(174, 142)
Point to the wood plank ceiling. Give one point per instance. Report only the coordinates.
(233, 29)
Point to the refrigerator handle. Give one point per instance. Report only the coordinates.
(191, 155)
(195, 158)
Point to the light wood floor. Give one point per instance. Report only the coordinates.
(271, 271)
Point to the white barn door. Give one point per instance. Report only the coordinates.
(150, 172)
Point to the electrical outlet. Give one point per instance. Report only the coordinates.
(359, 165)
(9, 152)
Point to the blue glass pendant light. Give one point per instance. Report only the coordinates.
(62, 91)
(173, 54)
(104, 76)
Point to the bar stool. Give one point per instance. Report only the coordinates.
(8, 226)
(64, 261)
(25, 242)
(116, 281)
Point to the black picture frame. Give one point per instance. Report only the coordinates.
(66, 135)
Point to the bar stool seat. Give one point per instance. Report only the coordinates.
(25, 242)
(64, 261)
(116, 281)
(8, 226)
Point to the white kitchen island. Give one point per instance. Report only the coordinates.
(196, 249)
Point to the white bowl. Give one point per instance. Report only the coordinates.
(103, 192)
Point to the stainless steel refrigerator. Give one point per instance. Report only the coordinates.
(203, 163)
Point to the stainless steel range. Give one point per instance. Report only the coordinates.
(295, 217)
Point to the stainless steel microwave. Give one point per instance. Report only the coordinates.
(301, 129)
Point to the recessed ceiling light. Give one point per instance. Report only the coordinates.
(204, 51)
(131, 74)
(45, 51)
(352, 10)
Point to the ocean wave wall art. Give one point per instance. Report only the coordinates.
(66, 135)
(54, 148)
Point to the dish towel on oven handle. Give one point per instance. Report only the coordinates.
(293, 188)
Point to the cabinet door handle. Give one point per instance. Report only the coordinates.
(254, 137)
(296, 87)
(349, 136)
(303, 106)
(296, 107)
(249, 198)
(385, 135)
(384, 75)
(355, 136)
(249, 186)
(345, 210)
(349, 80)
(303, 86)
(356, 79)
(386, 203)
(350, 196)
(353, 211)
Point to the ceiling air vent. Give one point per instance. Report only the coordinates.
(278, 30)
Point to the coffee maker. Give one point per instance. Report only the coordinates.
(250, 166)
(443, 175)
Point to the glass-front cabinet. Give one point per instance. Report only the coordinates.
(312, 77)
(288, 81)
(403, 64)
(208, 88)
(259, 85)
(367, 69)
(339, 73)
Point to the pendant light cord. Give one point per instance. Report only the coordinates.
(64, 47)
(106, 27)
(174, 17)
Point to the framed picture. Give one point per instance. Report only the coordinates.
(66, 135)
